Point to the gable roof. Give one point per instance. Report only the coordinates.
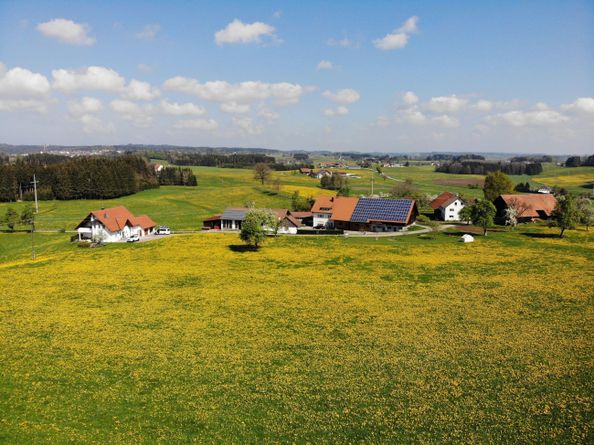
(443, 200)
(383, 210)
(291, 219)
(343, 208)
(116, 218)
(238, 213)
(532, 205)
(301, 215)
(145, 222)
(323, 202)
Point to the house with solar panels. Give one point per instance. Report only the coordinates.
(365, 214)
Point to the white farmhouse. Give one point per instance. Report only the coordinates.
(114, 224)
(322, 211)
(447, 206)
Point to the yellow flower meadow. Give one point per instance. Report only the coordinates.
(192, 339)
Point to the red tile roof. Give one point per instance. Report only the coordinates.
(213, 218)
(301, 215)
(531, 205)
(115, 219)
(445, 197)
(343, 208)
(323, 202)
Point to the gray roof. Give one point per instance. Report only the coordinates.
(237, 214)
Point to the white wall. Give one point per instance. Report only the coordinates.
(321, 218)
(452, 212)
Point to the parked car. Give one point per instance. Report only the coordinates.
(163, 230)
(320, 226)
(133, 238)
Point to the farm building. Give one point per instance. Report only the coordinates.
(364, 214)
(529, 206)
(232, 218)
(304, 218)
(447, 206)
(114, 224)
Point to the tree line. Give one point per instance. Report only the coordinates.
(177, 176)
(472, 167)
(68, 178)
(577, 161)
(234, 160)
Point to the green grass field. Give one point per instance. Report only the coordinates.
(193, 339)
(190, 339)
(184, 208)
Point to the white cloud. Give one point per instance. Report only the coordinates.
(447, 121)
(484, 105)
(39, 106)
(239, 32)
(398, 38)
(235, 108)
(93, 125)
(583, 104)
(345, 42)
(85, 106)
(541, 106)
(197, 124)
(20, 82)
(345, 96)
(139, 115)
(277, 14)
(187, 109)
(66, 31)
(446, 104)
(23, 90)
(283, 93)
(149, 32)
(410, 98)
(410, 25)
(325, 65)
(248, 125)
(139, 90)
(268, 114)
(528, 118)
(411, 116)
(89, 78)
(338, 111)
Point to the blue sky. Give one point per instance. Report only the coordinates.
(390, 76)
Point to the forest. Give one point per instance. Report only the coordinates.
(85, 177)
(477, 167)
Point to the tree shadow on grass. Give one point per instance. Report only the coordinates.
(541, 235)
(242, 248)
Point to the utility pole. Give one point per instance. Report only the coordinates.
(35, 189)
(372, 175)
(33, 236)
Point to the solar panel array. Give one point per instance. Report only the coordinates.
(367, 209)
(234, 214)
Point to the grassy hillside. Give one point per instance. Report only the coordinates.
(184, 208)
(320, 340)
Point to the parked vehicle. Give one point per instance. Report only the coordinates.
(320, 226)
(133, 238)
(163, 230)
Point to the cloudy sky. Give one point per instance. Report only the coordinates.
(369, 76)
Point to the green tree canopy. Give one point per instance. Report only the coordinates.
(254, 226)
(497, 183)
(483, 214)
(566, 215)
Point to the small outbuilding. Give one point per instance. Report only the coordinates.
(466, 238)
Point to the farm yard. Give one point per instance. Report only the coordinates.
(195, 339)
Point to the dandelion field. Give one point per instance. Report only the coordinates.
(192, 339)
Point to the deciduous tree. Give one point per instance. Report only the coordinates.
(483, 214)
(255, 225)
(497, 183)
(262, 172)
(566, 215)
